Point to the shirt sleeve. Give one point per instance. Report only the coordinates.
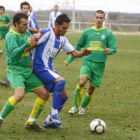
(12, 46)
(80, 44)
(9, 19)
(111, 43)
(44, 35)
(67, 46)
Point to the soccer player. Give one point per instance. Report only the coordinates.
(20, 75)
(32, 27)
(102, 43)
(51, 41)
(53, 16)
(5, 22)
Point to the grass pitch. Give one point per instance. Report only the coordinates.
(117, 101)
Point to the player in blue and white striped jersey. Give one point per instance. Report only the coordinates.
(53, 16)
(51, 41)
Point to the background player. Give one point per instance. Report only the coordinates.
(102, 43)
(54, 15)
(5, 22)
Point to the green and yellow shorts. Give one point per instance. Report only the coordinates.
(22, 77)
(93, 70)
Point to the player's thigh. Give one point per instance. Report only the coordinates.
(97, 73)
(16, 79)
(86, 69)
(32, 83)
(48, 77)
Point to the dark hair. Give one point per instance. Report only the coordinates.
(56, 5)
(24, 3)
(2, 7)
(100, 11)
(17, 17)
(62, 18)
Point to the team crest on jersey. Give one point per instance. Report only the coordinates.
(103, 37)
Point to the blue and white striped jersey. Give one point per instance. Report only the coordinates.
(53, 17)
(32, 23)
(49, 45)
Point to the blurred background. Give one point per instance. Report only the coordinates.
(122, 16)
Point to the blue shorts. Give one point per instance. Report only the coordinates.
(47, 76)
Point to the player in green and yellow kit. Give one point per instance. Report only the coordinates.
(102, 43)
(19, 73)
(5, 22)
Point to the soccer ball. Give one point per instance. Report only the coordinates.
(97, 126)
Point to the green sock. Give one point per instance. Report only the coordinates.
(86, 100)
(9, 106)
(78, 93)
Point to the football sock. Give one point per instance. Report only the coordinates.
(78, 95)
(37, 109)
(63, 100)
(57, 93)
(9, 106)
(86, 100)
(53, 111)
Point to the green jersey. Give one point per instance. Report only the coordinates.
(4, 19)
(96, 40)
(15, 45)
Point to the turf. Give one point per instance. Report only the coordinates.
(117, 101)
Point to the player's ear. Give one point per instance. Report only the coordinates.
(56, 24)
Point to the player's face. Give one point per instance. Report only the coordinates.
(99, 19)
(62, 29)
(55, 8)
(25, 9)
(22, 26)
(1, 11)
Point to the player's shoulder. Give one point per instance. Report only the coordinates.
(109, 31)
(45, 30)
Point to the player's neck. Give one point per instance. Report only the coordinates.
(55, 32)
(98, 27)
(1, 14)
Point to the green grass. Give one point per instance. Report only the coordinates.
(117, 101)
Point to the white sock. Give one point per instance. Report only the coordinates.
(54, 111)
(1, 117)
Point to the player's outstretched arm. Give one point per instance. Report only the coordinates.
(78, 54)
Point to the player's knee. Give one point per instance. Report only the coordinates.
(60, 86)
(81, 83)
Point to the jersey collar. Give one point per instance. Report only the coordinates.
(55, 32)
(93, 27)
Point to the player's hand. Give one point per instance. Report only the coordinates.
(106, 50)
(65, 63)
(6, 25)
(37, 36)
(86, 52)
(32, 40)
(29, 48)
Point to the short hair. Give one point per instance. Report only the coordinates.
(56, 5)
(100, 11)
(2, 7)
(24, 3)
(17, 17)
(62, 18)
